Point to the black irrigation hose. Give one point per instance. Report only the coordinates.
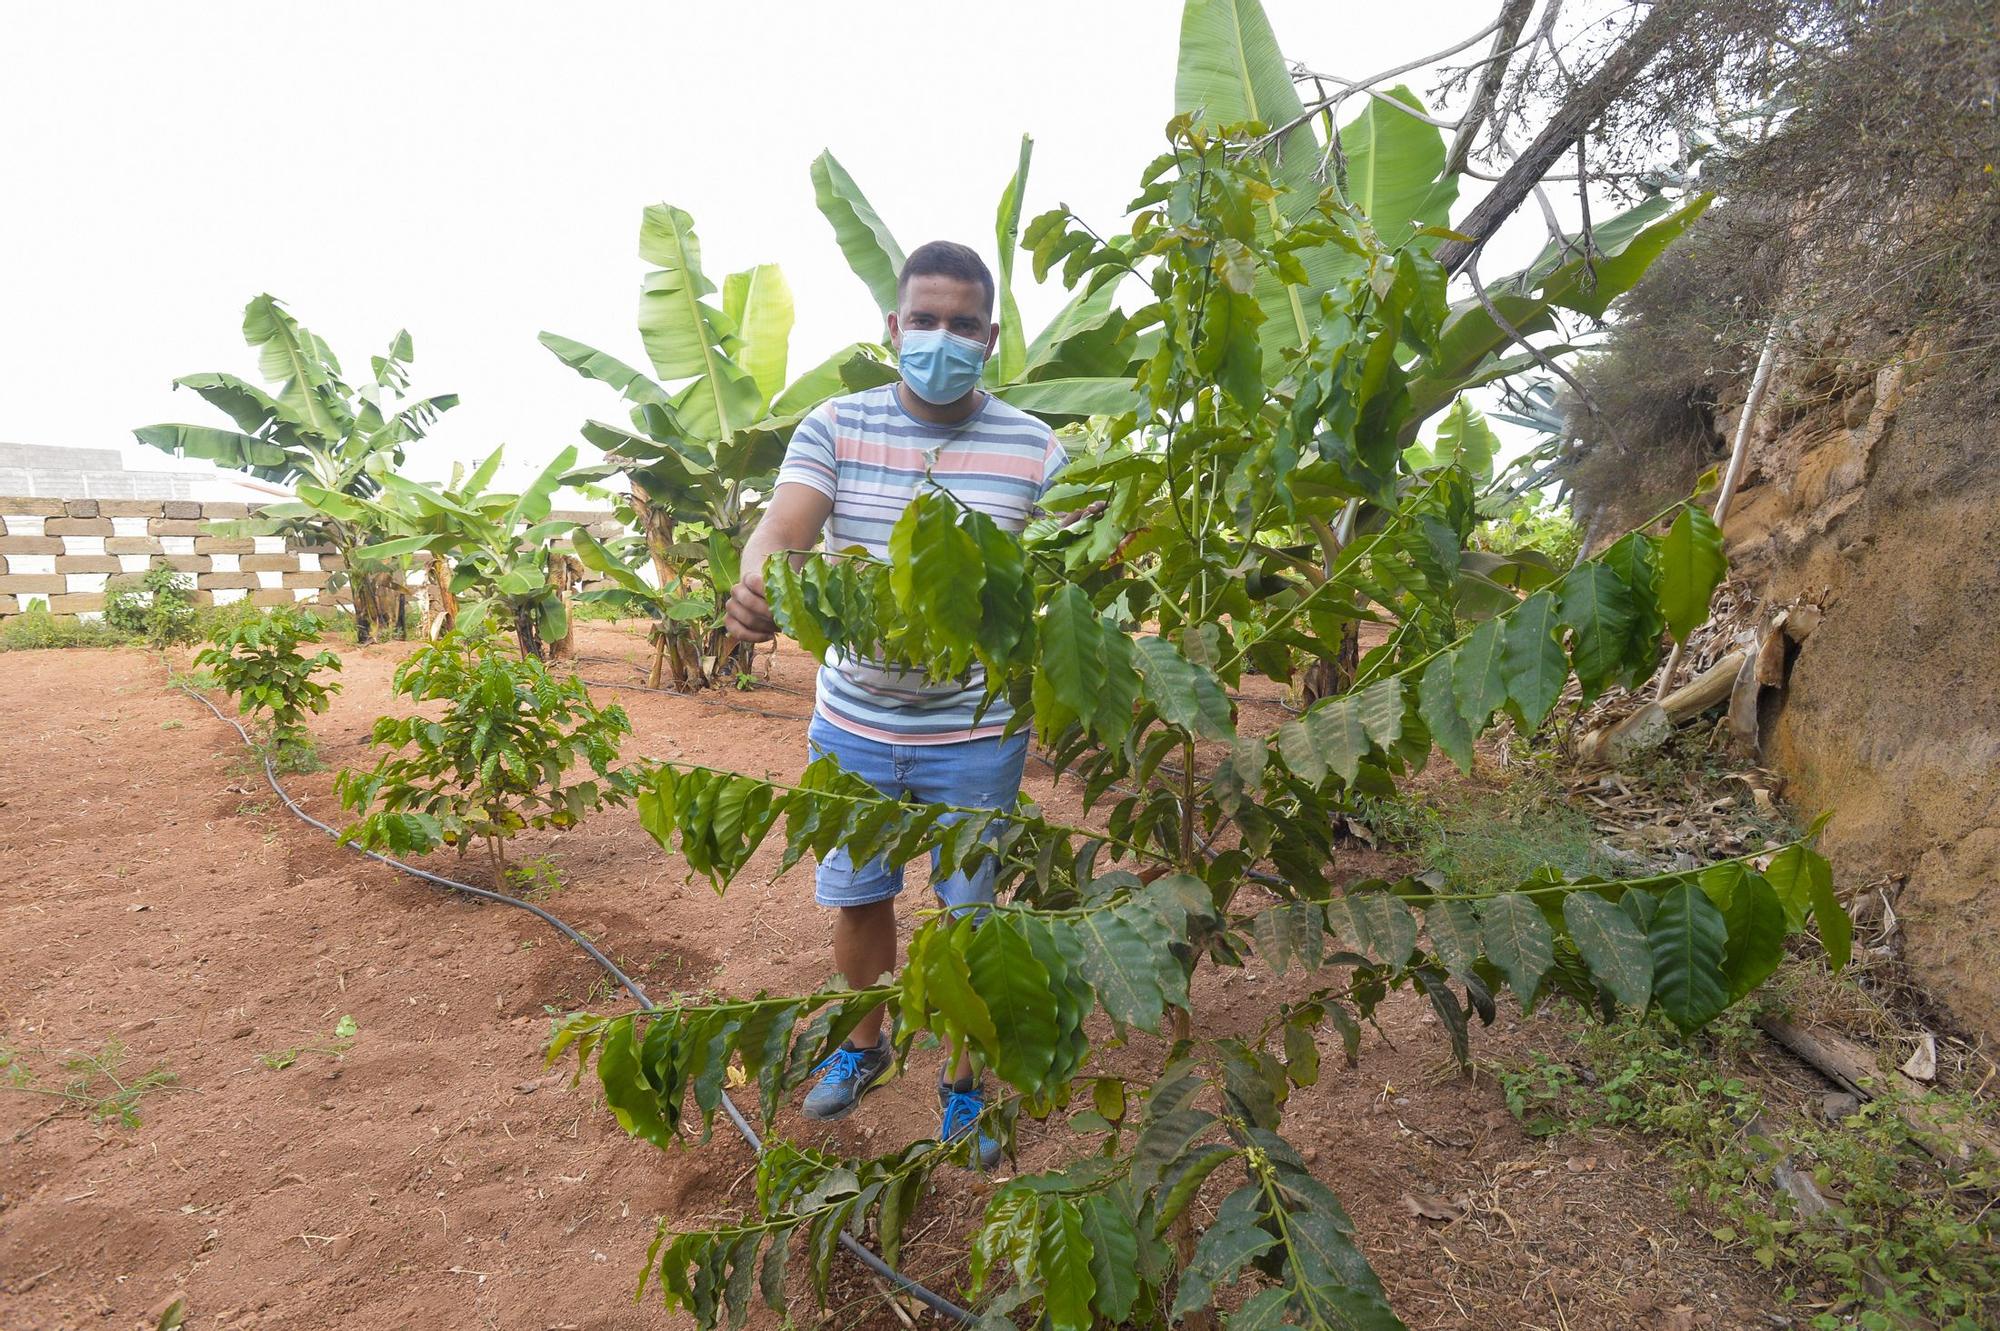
(930, 1298)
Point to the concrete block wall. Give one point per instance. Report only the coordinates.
(62, 552)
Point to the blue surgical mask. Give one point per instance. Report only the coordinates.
(938, 366)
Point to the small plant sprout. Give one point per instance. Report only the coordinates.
(344, 1032)
(97, 1083)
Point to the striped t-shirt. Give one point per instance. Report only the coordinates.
(869, 455)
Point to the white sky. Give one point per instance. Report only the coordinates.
(475, 172)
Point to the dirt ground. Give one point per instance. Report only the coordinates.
(435, 1175)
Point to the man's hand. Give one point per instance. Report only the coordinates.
(792, 523)
(749, 615)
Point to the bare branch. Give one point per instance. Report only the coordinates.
(1350, 87)
(1549, 219)
(1300, 74)
(1589, 279)
(1575, 116)
(1542, 31)
(1500, 321)
(1513, 17)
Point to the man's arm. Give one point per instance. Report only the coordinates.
(793, 521)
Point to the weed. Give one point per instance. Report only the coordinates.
(173, 725)
(1896, 1245)
(536, 879)
(295, 756)
(344, 1032)
(35, 629)
(1491, 839)
(97, 1083)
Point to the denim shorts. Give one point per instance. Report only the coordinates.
(972, 774)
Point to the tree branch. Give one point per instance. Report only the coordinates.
(1513, 17)
(1500, 320)
(1569, 123)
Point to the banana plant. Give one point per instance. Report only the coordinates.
(1078, 366)
(706, 436)
(315, 431)
(687, 601)
(503, 567)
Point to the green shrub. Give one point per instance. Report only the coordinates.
(157, 605)
(126, 601)
(494, 763)
(258, 662)
(35, 629)
(213, 621)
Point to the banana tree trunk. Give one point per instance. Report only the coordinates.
(379, 602)
(658, 638)
(730, 658)
(688, 672)
(566, 572)
(672, 644)
(443, 616)
(527, 635)
(1330, 679)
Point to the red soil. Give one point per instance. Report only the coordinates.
(436, 1175)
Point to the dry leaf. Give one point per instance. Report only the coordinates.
(1424, 1206)
(1923, 1063)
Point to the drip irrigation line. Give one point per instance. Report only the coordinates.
(855, 1248)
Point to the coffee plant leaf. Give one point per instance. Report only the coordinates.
(1531, 661)
(1612, 945)
(1518, 940)
(1185, 695)
(1438, 705)
(1755, 922)
(1476, 679)
(1688, 938)
(1690, 566)
(1596, 606)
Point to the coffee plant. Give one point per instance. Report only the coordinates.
(1254, 502)
(259, 663)
(498, 758)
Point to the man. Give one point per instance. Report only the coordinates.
(852, 468)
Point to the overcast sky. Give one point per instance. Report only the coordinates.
(475, 172)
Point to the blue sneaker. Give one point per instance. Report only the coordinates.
(844, 1076)
(961, 1110)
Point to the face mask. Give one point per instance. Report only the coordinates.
(938, 366)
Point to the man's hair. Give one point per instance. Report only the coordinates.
(946, 258)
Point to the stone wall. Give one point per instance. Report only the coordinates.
(63, 551)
